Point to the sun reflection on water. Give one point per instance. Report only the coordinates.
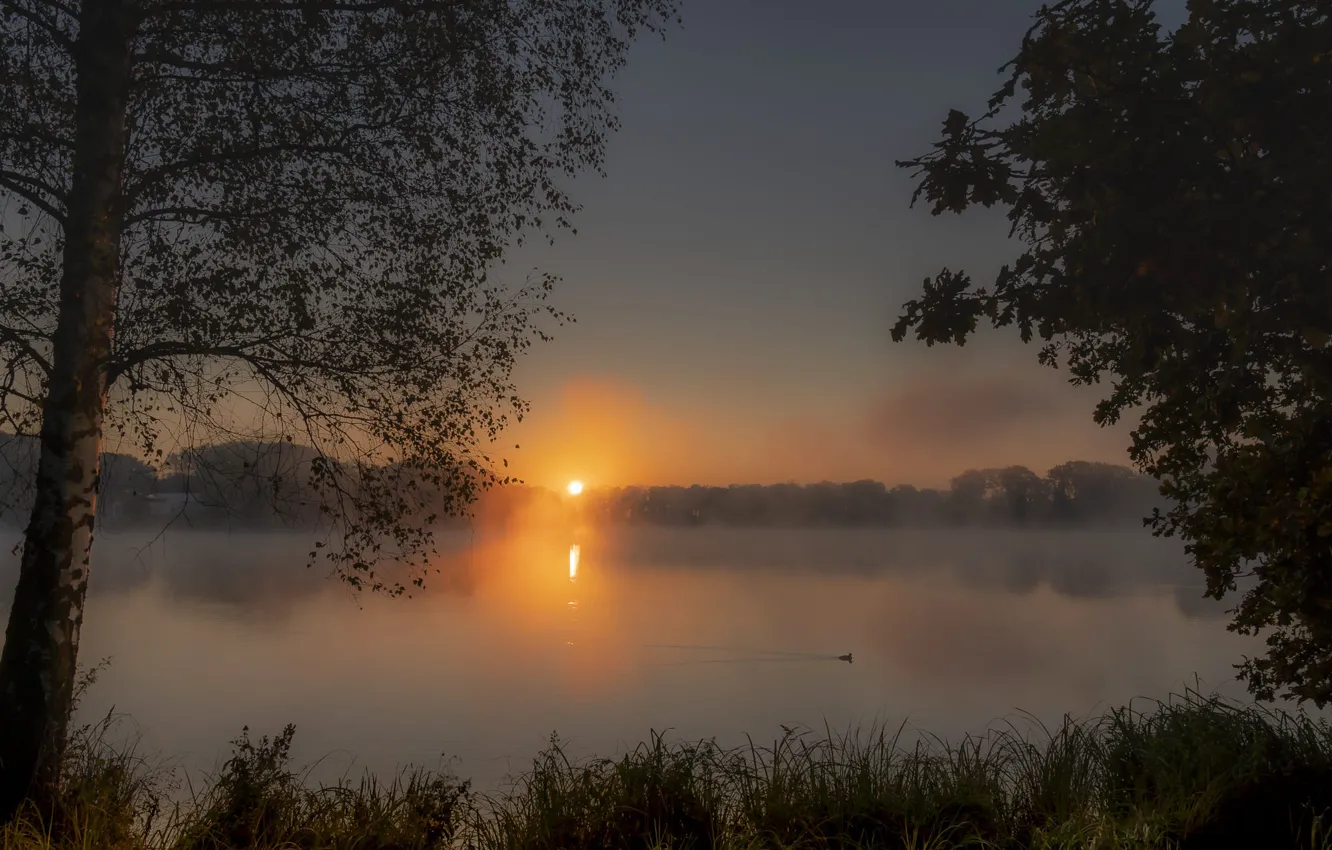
(552, 590)
(574, 553)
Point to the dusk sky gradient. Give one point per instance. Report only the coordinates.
(736, 274)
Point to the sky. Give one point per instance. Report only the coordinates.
(735, 275)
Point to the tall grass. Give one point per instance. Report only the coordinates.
(1192, 772)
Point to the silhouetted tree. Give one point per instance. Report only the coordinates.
(125, 481)
(254, 482)
(18, 466)
(996, 496)
(1024, 495)
(1173, 191)
(865, 502)
(1082, 490)
(281, 215)
(125, 485)
(969, 495)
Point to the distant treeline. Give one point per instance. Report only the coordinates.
(244, 484)
(250, 484)
(1078, 492)
(125, 480)
(239, 484)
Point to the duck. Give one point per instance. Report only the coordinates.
(846, 658)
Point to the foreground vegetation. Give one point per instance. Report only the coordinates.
(1191, 772)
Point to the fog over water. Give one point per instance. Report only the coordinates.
(705, 632)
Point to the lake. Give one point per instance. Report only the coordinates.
(707, 633)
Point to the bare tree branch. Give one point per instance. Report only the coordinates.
(19, 341)
(22, 10)
(27, 188)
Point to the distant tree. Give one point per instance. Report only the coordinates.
(1023, 495)
(125, 480)
(128, 474)
(1173, 194)
(909, 505)
(276, 216)
(255, 482)
(1083, 490)
(969, 495)
(865, 502)
(18, 466)
(1077, 491)
(125, 485)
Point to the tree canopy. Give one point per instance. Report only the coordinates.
(1171, 191)
(223, 220)
(316, 197)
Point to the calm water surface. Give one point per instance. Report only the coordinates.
(708, 633)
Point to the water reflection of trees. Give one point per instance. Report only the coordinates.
(263, 575)
(1077, 564)
(256, 575)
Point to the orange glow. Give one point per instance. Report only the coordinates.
(952, 417)
(575, 487)
(607, 432)
(534, 587)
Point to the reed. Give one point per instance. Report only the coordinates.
(1191, 772)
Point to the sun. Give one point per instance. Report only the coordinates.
(575, 487)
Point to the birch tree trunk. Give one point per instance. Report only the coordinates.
(37, 666)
